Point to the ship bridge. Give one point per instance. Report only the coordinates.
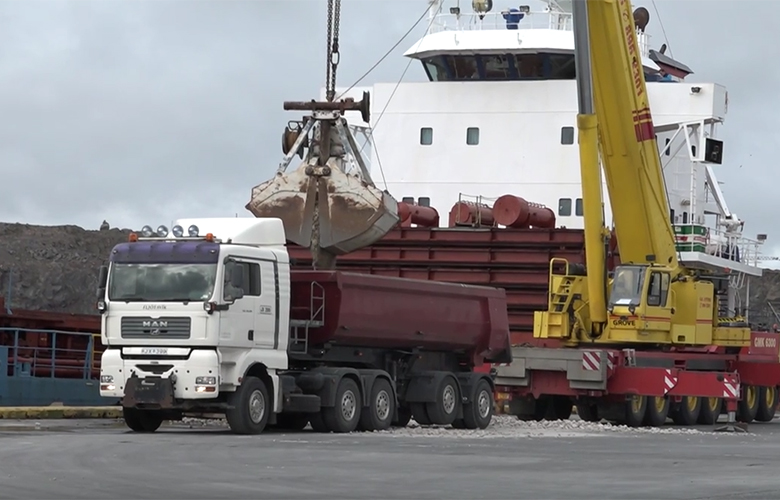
(528, 42)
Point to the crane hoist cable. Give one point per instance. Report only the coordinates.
(334, 20)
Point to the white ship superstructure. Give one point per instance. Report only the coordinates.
(498, 116)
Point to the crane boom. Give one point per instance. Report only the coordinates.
(652, 298)
(629, 151)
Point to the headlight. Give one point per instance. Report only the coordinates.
(206, 381)
(147, 231)
(192, 231)
(178, 231)
(106, 379)
(162, 231)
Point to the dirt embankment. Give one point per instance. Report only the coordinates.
(53, 268)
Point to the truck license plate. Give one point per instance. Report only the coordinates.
(154, 351)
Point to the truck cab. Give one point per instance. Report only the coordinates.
(185, 316)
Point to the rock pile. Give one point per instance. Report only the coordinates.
(53, 268)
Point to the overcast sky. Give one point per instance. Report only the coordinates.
(144, 111)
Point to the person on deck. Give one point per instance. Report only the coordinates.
(513, 17)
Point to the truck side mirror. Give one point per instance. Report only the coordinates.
(102, 281)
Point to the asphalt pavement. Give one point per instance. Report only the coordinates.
(85, 459)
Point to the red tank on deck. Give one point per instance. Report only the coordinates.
(394, 313)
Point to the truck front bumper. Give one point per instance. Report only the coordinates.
(159, 381)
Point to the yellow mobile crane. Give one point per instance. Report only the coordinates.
(653, 298)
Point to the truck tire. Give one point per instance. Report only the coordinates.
(404, 416)
(318, 423)
(657, 411)
(292, 421)
(445, 409)
(478, 413)
(142, 420)
(688, 411)
(420, 414)
(634, 409)
(378, 416)
(250, 407)
(767, 404)
(710, 411)
(345, 415)
(747, 407)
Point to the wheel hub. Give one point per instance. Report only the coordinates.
(348, 405)
(383, 405)
(256, 406)
(483, 404)
(448, 399)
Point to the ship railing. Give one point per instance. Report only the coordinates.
(50, 353)
(533, 20)
(299, 328)
(720, 243)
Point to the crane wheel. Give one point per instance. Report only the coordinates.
(657, 411)
(588, 411)
(688, 411)
(635, 410)
(747, 407)
(767, 404)
(709, 411)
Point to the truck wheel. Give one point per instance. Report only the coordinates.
(747, 407)
(710, 411)
(767, 404)
(142, 420)
(657, 411)
(420, 414)
(381, 407)
(445, 409)
(249, 407)
(478, 413)
(587, 411)
(344, 417)
(687, 412)
(404, 416)
(635, 409)
(292, 421)
(318, 423)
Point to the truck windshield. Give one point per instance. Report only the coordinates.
(627, 286)
(161, 282)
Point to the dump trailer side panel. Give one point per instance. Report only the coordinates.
(396, 313)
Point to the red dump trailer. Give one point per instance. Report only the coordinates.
(420, 340)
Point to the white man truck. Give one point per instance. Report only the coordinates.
(214, 321)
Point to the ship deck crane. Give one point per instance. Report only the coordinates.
(653, 299)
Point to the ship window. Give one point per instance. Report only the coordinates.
(496, 67)
(562, 67)
(464, 67)
(529, 65)
(578, 207)
(426, 136)
(437, 71)
(472, 136)
(564, 206)
(567, 135)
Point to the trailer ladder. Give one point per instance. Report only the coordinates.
(299, 328)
